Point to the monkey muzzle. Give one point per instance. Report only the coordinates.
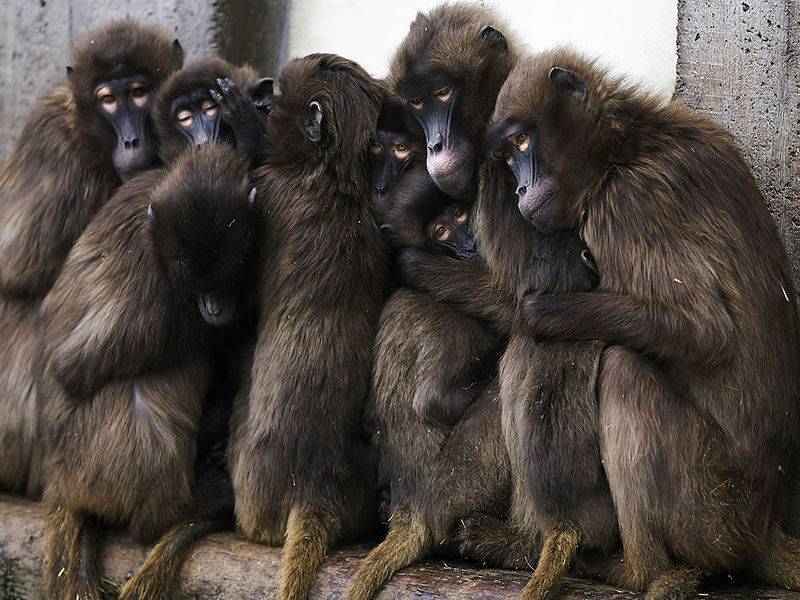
(216, 308)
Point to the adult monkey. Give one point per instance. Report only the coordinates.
(448, 71)
(303, 477)
(702, 384)
(83, 140)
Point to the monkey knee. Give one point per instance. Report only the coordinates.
(441, 407)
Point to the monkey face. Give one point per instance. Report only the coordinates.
(195, 116)
(124, 103)
(389, 155)
(449, 233)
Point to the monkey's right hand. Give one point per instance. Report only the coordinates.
(238, 111)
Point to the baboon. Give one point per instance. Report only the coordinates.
(447, 71)
(132, 313)
(193, 109)
(86, 136)
(398, 146)
(698, 388)
(302, 473)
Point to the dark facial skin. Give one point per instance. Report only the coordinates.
(516, 146)
(449, 234)
(125, 104)
(196, 116)
(389, 155)
(449, 156)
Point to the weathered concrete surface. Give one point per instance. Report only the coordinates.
(739, 61)
(225, 566)
(36, 37)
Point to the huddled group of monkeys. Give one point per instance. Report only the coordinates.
(509, 305)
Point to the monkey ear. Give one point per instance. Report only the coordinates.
(177, 51)
(568, 81)
(386, 227)
(251, 197)
(262, 87)
(151, 212)
(314, 121)
(495, 38)
(70, 70)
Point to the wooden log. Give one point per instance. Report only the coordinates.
(225, 566)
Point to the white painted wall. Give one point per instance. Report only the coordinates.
(636, 38)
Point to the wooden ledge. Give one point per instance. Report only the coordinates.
(225, 566)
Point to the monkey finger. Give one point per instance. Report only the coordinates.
(217, 97)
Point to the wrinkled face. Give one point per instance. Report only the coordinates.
(389, 155)
(449, 234)
(518, 147)
(125, 105)
(436, 102)
(196, 117)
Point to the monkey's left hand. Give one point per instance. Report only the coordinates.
(238, 111)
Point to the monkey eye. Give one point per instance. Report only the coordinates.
(440, 232)
(140, 93)
(444, 93)
(416, 103)
(106, 99)
(400, 150)
(501, 154)
(521, 141)
(375, 146)
(209, 108)
(185, 118)
(461, 214)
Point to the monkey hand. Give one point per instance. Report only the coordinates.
(240, 113)
(542, 313)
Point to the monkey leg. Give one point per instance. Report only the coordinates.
(309, 535)
(408, 541)
(486, 539)
(71, 563)
(158, 575)
(558, 551)
(780, 566)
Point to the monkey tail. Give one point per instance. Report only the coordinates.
(558, 552)
(407, 541)
(309, 534)
(158, 574)
(71, 563)
(780, 566)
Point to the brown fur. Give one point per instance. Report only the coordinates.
(125, 455)
(699, 402)
(199, 75)
(56, 178)
(434, 479)
(303, 477)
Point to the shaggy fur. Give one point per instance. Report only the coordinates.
(303, 476)
(56, 178)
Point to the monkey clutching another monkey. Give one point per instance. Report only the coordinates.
(303, 476)
(82, 140)
(698, 391)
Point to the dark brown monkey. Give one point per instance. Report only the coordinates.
(192, 109)
(398, 146)
(699, 399)
(137, 297)
(303, 476)
(82, 140)
(448, 71)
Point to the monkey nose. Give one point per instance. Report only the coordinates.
(131, 144)
(436, 144)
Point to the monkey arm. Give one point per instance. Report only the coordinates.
(467, 284)
(669, 331)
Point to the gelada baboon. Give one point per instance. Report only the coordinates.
(303, 476)
(132, 315)
(71, 155)
(698, 395)
(193, 107)
(398, 146)
(452, 53)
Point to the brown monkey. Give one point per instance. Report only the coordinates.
(132, 312)
(698, 399)
(89, 134)
(192, 109)
(447, 71)
(303, 477)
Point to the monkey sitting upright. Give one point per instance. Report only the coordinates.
(84, 138)
(132, 313)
